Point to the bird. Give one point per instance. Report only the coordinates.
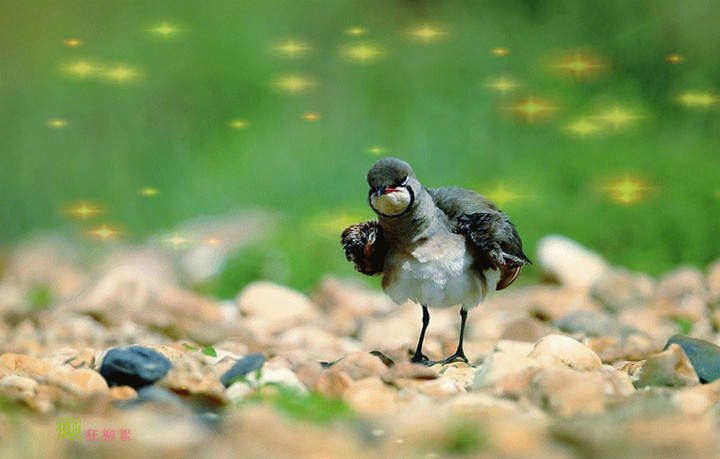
(437, 247)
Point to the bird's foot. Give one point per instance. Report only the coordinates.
(457, 356)
(422, 359)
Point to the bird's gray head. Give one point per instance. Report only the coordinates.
(391, 187)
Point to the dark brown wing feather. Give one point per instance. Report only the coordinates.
(496, 242)
(365, 246)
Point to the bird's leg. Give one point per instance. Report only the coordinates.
(419, 357)
(459, 353)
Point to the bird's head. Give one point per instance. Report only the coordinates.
(391, 187)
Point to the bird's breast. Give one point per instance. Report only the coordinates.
(437, 272)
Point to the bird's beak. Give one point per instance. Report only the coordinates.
(380, 191)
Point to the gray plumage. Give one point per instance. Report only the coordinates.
(438, 247)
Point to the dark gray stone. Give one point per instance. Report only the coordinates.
(134, 366)
(704, 356)
(242, 367)
(593, 324)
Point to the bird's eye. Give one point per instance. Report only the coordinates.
(405, 181)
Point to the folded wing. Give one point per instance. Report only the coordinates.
(488, 231)
(365, 246)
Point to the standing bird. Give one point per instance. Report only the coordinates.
(437, 247)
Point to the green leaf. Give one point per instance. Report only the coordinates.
(192, 348)
(209, 351)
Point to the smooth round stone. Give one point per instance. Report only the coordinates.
(704, 356)
(242, 367)
(133, 366)
(559, 349)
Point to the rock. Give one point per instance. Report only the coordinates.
(361, 365)
(668, 368)
(591, 324)
(571, 264)
(18, 388)
(133, 366)
(680, 283)
(509, 358)
(568, 392)
(371, 396)
(242, 367)
(238, 391)
(191, 375)
(271, 308)
(122, 393)
(436, 388)
(81, 381)
(558, 349)
(407, 370)
(348, 304)
(23, 365)
(620, 289)
(461, 373)
(275, 374)
(527, 329)
(704, 356)
(713, 281)
(332, 383)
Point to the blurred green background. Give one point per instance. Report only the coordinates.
(596, 120)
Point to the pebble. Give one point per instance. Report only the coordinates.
(619, 289)
(361, 365)
(271, 308)
(559, 349)
(133, 366)
(371, 396)
(670, 368)
(242, 367)
(704, 356)
(566, 261)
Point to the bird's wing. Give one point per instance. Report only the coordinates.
(489, 232)
(365, 246)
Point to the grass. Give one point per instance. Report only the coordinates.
(427, 102)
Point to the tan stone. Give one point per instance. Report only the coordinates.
(332, 383)
(371, 396)
(270, 307)
(559, 349)
(122, 393)
(361, 365)
(23, 365)
(668, 368)
(568, 262)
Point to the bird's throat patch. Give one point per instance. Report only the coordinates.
(393, 203)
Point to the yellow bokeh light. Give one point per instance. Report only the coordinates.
(57, 123)
(310, 116)
(104, 233)
(583, 127)
(356, 31)
(502, 85)
(83, 210)
(177, 240)
(698, 99)
(81, 68)
(294, 84)
(500, 51)
(376, 150)
(238, 124)
(213, 241)
(73, 42)
(579, 65)
(674, 58)
(293, 48)
(628, 190)
(617, 117)
(501, 195)
(149, 192)
(122, 74)
(532, 108)
(427, 33)
(165, 30)
(362, 53)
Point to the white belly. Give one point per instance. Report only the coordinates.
(437, 274)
